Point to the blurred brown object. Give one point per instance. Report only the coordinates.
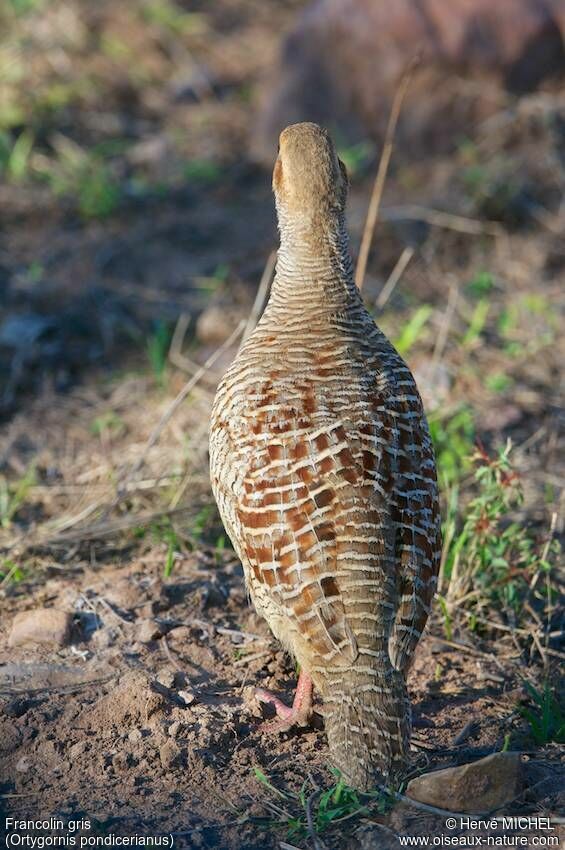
(341, 63)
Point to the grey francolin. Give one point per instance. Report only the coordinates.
(325, 478)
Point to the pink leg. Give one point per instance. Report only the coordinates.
(300, 712)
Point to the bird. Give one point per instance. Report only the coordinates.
(324, 474)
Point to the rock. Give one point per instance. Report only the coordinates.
(134, 736)
(41, 626)
(478, 787)
(147, 631)
(23, 764)
(169, 754)
(215, 324)
(180, 635)
(153, 706)
(76, 750)
(166, 677)
(120, 762)
(22, 331)
(188, 697)
(342, 62)
(373, 836)
(103, 639)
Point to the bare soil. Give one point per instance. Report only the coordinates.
(150, 736)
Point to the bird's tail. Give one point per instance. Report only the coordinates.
(367, 720)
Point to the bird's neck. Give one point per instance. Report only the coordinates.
(314, 270)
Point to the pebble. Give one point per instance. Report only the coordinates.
(169, 754)
(147, 631)
(215, 324)
(23, 764)
(41, 626)
(188, 697)
(77, 750)
(166, 677)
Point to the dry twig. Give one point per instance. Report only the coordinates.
(261, 296)
(394, 277)
(379, 183)
(440, 218)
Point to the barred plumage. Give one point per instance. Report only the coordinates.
(324, 474)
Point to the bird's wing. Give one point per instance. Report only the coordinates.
(418, 536)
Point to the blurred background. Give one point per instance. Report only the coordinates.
(136, 223)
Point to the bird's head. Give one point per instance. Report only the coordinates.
(309, 180)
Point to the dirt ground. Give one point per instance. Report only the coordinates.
(146, 721)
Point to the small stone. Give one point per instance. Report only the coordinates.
(169, 754)
(215, 324)
(134, 736)
(374, 836)
(120, 762)
(474, 788)
(77, 750)
(179, 637)
(147, 631)
(174, 729)
(153, 705)
(23, 764)
(188, 697)
(166, 677)
(102, 638)
(41, 626)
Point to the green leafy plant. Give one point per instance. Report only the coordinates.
(13, 495)
(477, 322)
(330, 806)
(492, 561)
(211, 283)
(23, 7)
(546, 717)
(203, 171)
(158, 350)
(413, 328)
(447, 619)
(98, 192)
(452, 437)
(169, 561)
(260, 776)
(356, 157)
(108, 423)
(482, 284)
(85, 175)
(10, 571)
(163, 531)
(172, 18)
(498, 382)
(17, 161)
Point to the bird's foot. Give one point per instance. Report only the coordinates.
(288, 716)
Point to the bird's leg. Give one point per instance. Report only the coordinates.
(296, 715)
